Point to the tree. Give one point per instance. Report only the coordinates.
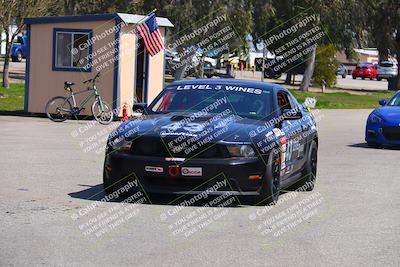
(195, 13)
(344, 23)
(325, 65)
(384, 25)
(12, 12)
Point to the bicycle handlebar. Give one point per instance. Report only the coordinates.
(93, 79)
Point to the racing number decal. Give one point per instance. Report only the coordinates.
(283, 140)
(287, 147)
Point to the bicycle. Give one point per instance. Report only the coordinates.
(60, 108)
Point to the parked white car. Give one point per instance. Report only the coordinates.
(386, 69)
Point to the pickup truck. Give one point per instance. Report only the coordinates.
(18, 49)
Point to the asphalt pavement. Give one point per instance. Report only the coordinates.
(51, 176)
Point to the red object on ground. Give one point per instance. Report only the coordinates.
(125, 113)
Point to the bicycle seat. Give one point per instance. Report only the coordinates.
(68, 83)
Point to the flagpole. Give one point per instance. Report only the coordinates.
(145, 17)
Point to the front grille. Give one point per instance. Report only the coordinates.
(391, 133)
(179, 184)
(184, 184)
(157, 147)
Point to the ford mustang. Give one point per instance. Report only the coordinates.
(383, 124)
(249, 139)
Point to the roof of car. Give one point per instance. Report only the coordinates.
(255, 84)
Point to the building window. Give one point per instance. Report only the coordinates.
(72, 50)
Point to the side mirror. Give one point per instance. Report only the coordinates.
(382, 102)
(139, 107)
(292, 114)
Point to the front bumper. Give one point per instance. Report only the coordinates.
(231, 175)
(385, 134)
(387, 75)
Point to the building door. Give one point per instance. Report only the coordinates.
(140, 91)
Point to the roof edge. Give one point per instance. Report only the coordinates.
(127, 18)
(53, 19)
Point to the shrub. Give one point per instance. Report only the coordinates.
(325, 65)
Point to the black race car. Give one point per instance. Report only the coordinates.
(247, 138)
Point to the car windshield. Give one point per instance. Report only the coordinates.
(394, 101)
(213, 98)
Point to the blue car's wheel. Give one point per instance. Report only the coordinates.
(374, 145)
(17, 57)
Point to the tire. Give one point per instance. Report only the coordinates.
(374, 145)
(53, 107)
(102, 116)
(344, 76)
(309, 173)
(18, 57)
(270, 188)
(270, 74)
(379, 78)
(109, 187)
(363, 78)
(354, 77)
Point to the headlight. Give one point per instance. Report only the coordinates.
(120, 144)
(375, 119)
(241, 151)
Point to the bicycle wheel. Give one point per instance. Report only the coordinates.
(58, 109)
(102, 112)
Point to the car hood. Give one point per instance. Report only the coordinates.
(389, 113)
(229, 128)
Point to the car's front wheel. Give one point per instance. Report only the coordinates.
(309, 173)
(17, 57)
(270, 189)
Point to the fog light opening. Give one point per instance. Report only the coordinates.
(255, 177)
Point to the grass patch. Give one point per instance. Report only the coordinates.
(12, 99)
(344, 100)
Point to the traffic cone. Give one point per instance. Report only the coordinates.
(125, 112)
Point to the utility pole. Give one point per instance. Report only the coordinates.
(263, 64)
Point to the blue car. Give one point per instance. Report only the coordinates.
(383, 125)
(18, 49)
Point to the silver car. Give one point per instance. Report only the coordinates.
(386, 69)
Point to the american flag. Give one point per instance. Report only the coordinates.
(151, 35)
